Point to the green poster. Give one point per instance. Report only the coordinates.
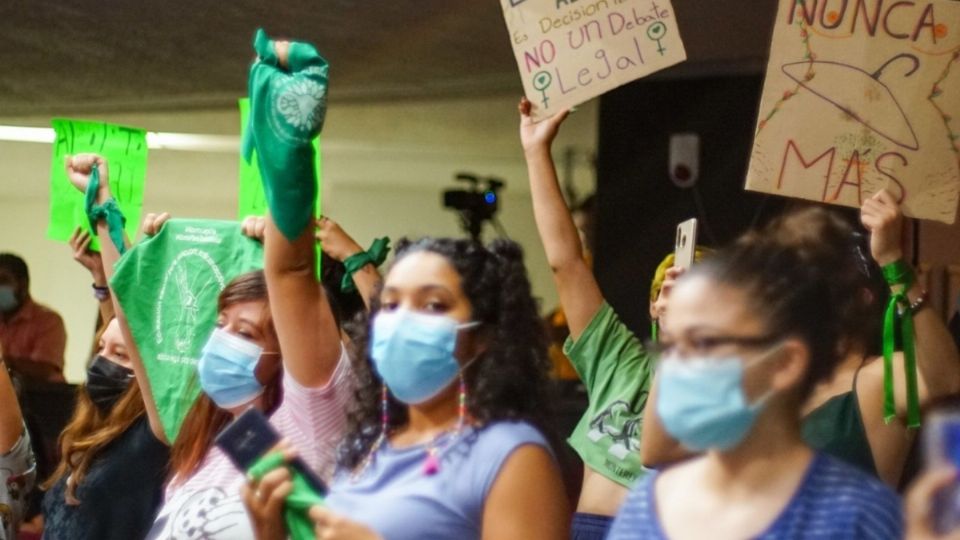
(251, 200)
(167, 286)
(126, 151)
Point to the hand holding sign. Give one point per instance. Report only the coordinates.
(881, 216)
(538, 136)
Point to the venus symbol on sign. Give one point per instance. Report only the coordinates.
(541, 81)
(655, 32)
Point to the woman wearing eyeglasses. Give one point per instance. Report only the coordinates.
(749, 333)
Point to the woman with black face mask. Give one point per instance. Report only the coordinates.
(109, 482)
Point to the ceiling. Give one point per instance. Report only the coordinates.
(68, 56)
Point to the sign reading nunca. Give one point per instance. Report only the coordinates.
(863, 95)
(570, 51)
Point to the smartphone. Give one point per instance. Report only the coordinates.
(686, 244)
(250, 436)
(942, 447)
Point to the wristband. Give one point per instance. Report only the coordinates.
(375, 255)
(919, 303)
(101, 293)
(900, 310)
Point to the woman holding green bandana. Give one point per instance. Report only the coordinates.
(248, 361)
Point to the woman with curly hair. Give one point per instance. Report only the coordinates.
(450, 407)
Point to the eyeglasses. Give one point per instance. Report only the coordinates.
(705, 345)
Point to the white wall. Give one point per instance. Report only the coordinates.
(385, 165)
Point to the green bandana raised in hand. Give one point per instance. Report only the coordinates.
(287, 109)
(297, 504)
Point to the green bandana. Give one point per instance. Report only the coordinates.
(375, 255)
(899, 274)
(108, 211)
(168, 286)
(298, 502)
(287, 109)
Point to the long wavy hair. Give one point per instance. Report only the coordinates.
(89, 431)
(205, 419)
(507, 382)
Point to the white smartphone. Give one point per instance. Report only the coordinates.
(942, 447)
(686, 244)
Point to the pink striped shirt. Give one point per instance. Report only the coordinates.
(208, 504)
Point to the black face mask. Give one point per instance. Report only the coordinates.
(106, 383)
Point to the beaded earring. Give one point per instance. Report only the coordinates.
(431, 464)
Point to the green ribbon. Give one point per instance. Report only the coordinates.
(898, 310)
(108, 211)
(375, 255)
(297, 504)
(654, 331)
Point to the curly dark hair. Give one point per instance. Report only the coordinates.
(508, 382)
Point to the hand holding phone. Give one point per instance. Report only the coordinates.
(250, 436)
(685, 245)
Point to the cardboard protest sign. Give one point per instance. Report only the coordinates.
(167, 286)
(124, 148)
(569, 51)
(863, 95)
(251, 200)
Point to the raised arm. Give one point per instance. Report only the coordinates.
(579, 292)
(938, 361)
(339, 245)
(80, 243)
(79, 168)
(308, 333)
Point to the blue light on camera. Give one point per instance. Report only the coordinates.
(490, 197)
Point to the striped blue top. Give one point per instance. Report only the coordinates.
(834, 501)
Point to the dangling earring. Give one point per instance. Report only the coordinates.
(431, 465)
(384, 426)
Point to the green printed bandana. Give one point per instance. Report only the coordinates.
(167, 286)
(287, 109)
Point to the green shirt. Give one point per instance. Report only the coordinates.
(617, 372)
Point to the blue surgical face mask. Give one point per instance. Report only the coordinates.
(413, 353)
(8, 298)
(227, 369)
(701, 404)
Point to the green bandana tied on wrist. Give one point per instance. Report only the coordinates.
(287, 110)
(109, 211)
(899, 275)
(375, 255)
(297, 504)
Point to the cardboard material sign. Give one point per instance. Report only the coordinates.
(168, 286)
(570, 51)
(126, 151)
(862, 95)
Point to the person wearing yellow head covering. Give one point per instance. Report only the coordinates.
(664, 278)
